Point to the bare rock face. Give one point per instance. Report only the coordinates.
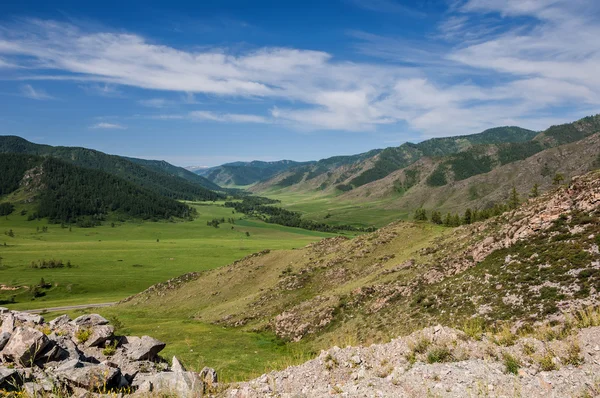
(90, 376)
(25, 345)
(143, 348)
(8, 377)
(99, 335)
(4, 337)
(41, 365)
(89, 321)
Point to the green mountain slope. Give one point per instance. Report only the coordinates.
(246, 173)
(63, 192)
(344, 173)
(160, 182)
(537, 260)
(167, 168)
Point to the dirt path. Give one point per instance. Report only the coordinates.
(69, 308)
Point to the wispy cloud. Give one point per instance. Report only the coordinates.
(227, 117)
(507, 72)
(108, 126)
(103, 90)
(155, 102)
(28, 91)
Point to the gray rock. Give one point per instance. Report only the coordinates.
(67, 345)
(25, 345)
(8, 323)
(90, 376)
(29, 318)
(89, 320)
(59, 322)
(4, 337)
(144, 348)
(181, 384)
(9, 378)
(177, 366)
(209, 376)
(99, 335)
(4, 310)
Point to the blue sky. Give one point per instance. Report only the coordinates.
(208, 82)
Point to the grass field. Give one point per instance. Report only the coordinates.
(111, 263)
(330, 209)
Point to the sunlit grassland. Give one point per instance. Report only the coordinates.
(331, 209)
(111, 263)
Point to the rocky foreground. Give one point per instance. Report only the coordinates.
(83, 357)
(444, 362)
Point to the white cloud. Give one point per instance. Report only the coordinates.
(28, 91)
(103, 90)
(154, 102)
(503, 72)
(108, 126)
(227, 117)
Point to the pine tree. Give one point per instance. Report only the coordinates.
(534, 191)
(436, 217)
(421, 214)
(558, 179)
(513, 201)
(468, 217)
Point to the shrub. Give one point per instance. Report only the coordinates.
(439, 354)
(546, 362)
(511, 364)
(573, 354)
(474, 328)
(83, 335)
(110, 350)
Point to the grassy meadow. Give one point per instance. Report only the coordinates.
(329, 208)
(110, 263)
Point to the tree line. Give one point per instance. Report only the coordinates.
(262, 208)
(474, 215)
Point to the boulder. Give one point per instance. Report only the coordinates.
(143, 348)
(59, 322)
(180, 384)
(89, 376)
(209, 376)
(177, 366)
(99, 335)
(9, 378)
(89, 320)
(25, 345)
(70, 349)
(4, 337)
(29, 318)
(8, 323)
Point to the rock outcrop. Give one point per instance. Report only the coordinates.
(442, 362)
(84, 357)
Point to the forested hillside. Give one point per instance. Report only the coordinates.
(161, 182)
(66, 193)
(344, 173)
(246, 173)
(165, 167)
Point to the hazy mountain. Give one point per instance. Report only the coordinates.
(246, 173)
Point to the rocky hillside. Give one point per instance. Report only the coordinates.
(84, 358)
(443, 362)
(345, 173)
(538, 260)
(410, 188)
(446, 176)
